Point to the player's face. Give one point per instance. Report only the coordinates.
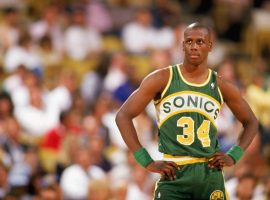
(196, 45)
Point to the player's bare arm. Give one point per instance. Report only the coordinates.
(233, 98)
(150, 88)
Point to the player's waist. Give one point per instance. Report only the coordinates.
(184, 160)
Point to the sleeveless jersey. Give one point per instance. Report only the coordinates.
(186, 115)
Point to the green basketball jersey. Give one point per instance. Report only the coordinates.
(186, 115)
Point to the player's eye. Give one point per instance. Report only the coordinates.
(188, 41)
(200, 42)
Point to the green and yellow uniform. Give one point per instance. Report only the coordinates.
(186, 115)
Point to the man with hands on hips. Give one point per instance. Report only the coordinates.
(188, 98)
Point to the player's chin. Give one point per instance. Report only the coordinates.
(195, 62)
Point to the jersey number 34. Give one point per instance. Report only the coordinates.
(187, 138)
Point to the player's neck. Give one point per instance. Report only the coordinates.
(195, 70)
(194, 74)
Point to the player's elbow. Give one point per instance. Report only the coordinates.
(252, 124)
(120, 117)
(256, 125)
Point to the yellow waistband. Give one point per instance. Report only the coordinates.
(183, 160)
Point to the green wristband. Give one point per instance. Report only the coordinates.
(236, 152)
(142, 157)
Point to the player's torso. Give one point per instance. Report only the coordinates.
(186, 116)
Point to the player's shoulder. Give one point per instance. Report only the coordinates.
(158, 78)
(227, 88)
(223, 83)
(161, 73)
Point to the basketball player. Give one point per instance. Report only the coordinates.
(188, 98)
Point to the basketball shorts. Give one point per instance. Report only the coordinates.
(194, 182)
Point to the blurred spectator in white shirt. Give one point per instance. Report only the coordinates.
(75, 179)
(139, 36)
(117, 73)
(15, 79)
(60, 98)
(140, 185)
(20, 95)
(22, 54)
(48, 25)
(35, 118)
(80, 39)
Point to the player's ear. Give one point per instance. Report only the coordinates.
(210, 46)
(183, 45)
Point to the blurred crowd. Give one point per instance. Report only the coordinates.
(68, 65)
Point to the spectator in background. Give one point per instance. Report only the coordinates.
(95, 80)
(121, 13)
(98, 153)
(259, 99)
(246, 188)
(20, 95)
(138, 187)
(75, 179)
(166, 13)
(97, 10)
(10, 29)
(51, 192)
(124, 90)
(35, 118)
(49, 56)
(117, 72)
(60, 98)
(233, 184)
(23, 53)
(81, 41)
(15, 79)
(48, 25)
(94, 123)
(99, 190)
(11, 142)
(160, 59)
(59, 143)
(230, 19)
(176, 52)
(6, 109)
(21, 172)
(266, 186)
(4, 185)
(119, 190)
(228, 126)
(138, 35)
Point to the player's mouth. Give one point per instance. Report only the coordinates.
(194, 56)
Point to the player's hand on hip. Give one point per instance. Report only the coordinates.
(167, 169)
(220, 160)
